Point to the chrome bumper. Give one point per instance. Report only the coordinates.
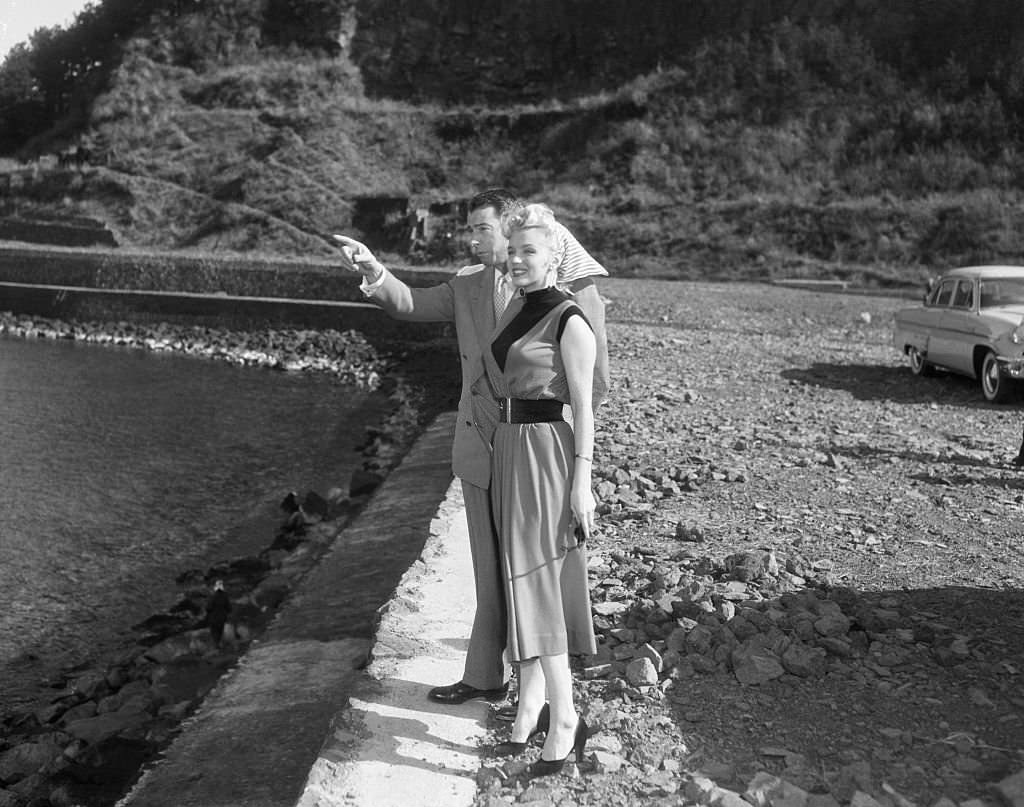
(1013, 366)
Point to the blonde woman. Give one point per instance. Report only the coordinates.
(542, 358)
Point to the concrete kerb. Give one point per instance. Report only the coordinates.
(297, 722)
(392, 746)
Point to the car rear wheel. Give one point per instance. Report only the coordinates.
(918, 365)
(994, 386)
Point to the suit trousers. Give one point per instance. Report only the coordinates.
(485, 665)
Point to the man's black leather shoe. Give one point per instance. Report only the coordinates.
(460, 693)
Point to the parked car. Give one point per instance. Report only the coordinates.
(971, 323)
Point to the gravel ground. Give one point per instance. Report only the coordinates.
(747, 422)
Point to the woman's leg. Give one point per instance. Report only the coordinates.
(531, 700)
(561, 734)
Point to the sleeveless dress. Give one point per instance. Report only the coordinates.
(544, 570)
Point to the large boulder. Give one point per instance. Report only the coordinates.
(753, 663)
(25, 759)
(94, 730)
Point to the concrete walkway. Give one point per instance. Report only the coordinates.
(302, 720)
(393, 746)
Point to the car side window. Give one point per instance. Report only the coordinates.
(989, 294)
(964, 297)
(942, 299)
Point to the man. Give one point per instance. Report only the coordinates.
(217, 612)
(475, 299)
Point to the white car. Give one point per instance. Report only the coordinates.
(971, 323)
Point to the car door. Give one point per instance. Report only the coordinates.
(930, 318)
(913, 326)
(956, 333)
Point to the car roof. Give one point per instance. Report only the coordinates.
(986, 272)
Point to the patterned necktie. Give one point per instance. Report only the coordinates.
(502, 294)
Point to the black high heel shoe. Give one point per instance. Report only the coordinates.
(510, 748)
(546, 767)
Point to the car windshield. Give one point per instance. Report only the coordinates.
(1004, 291)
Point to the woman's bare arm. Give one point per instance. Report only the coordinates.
(579, 350)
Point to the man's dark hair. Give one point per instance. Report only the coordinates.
(501, 199)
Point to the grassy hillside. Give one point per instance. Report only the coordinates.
(793, 153)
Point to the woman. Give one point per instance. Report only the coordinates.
(541, 358)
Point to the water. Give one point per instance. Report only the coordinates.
(119, 469)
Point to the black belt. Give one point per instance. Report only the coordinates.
(525, 410)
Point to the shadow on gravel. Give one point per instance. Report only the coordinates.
(966, 480)
(874, 382)
(992, 619)
(929, 458)
(924, 695)
(1004, 603)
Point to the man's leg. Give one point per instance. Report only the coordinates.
(485, 667)
(485, 673)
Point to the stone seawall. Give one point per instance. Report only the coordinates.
(180, 272)
(240, 293)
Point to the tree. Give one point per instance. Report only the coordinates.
(22, 111)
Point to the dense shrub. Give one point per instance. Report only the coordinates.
(274, 82)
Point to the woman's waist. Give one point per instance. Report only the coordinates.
(512, 409)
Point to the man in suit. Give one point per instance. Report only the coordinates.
(475, 299)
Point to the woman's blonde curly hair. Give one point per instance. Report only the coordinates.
(528, 216)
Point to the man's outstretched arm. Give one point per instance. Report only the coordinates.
(433, 304)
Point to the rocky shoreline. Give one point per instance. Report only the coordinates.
(344, 354)
(104, 721)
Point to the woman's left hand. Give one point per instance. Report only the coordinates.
(584, 508)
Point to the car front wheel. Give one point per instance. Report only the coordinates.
(994, 386)
(918, 365)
